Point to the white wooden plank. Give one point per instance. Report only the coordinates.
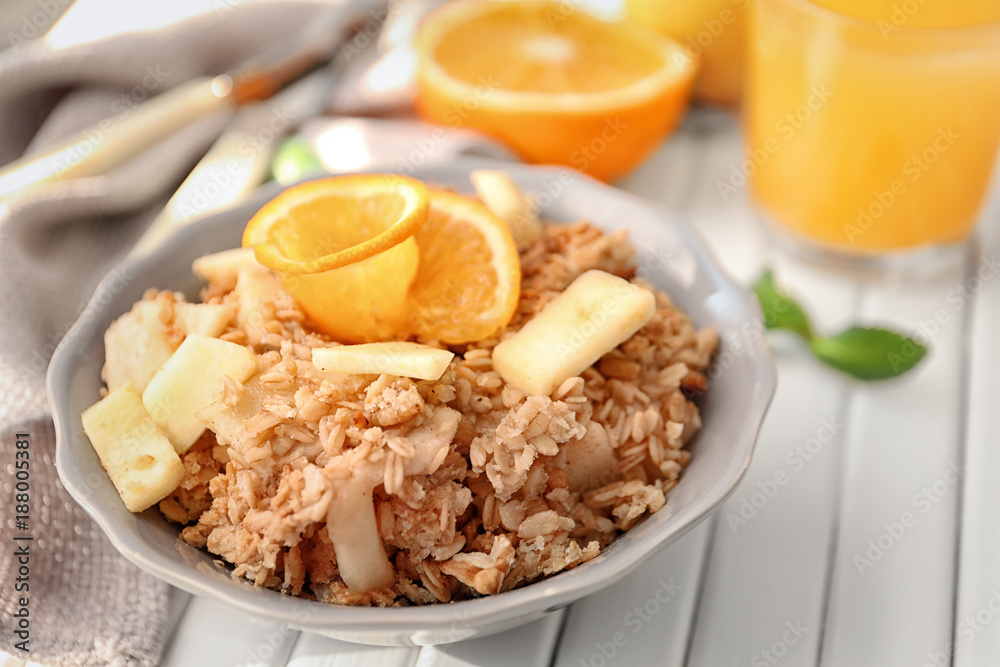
(210, 634)
(644, 619)
(976, 638)
(773, 570)
(685, 176)
(766, 580)
(892, 588)
(531, 645)
(312, 650)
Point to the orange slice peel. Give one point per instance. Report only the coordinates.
(469, 281)
(382, 257)
(332, 222)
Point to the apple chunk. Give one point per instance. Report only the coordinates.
(222, 268)
(137, 456)
(595, 314)
(190, 381)
(205, 319)
(502, 196)
(136, 345)
(228, 419)
(256, 289)
(353, 531)
(397, 358)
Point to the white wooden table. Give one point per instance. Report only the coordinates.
(880, 547)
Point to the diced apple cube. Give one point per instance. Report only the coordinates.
(595, 314)
(401, 358)
(228, 420)
(190, 381)
(256, 287)
(140, 461)
(502, 196)
(205, 319)
(222, 268)
(136, 345)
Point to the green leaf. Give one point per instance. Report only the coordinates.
(294, 160)
(869, 353)
(780, 310)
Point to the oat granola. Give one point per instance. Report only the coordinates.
(512, 487)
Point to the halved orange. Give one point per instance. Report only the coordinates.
(469, 281)
(553, 82)
(345, 251)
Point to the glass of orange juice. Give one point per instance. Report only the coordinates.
(873, 125)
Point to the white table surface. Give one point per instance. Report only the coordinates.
(804, 580)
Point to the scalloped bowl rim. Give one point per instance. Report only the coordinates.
(418, 624)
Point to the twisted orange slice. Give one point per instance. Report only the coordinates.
(381, 257)
(345, 251)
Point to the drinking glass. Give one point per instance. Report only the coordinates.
(872, 125)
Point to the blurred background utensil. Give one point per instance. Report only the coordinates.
(380, 73)
(367, 75)
(238, 161)
(96, 150)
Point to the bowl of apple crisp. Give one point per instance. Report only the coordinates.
(575, 384)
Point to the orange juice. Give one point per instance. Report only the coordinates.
(873, 125)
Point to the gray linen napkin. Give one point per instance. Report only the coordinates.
(88, 605)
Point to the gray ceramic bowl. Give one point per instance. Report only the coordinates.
(669, 255)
